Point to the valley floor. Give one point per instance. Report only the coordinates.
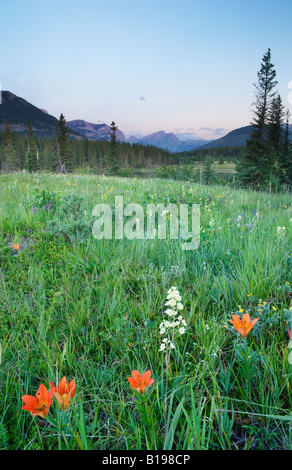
(94, 311)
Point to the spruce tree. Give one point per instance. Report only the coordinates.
(256, 167)
(63, 145)
(31, 163)
(9, 154)
(275, 120)
(289, 166)
(208, 174)
(285, 156)
(113, 155)
(48, 156)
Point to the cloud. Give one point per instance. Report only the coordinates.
(205, 129)
(220, 131)
(216, 131)
(183, 129)
(137, 98)
(186, 135)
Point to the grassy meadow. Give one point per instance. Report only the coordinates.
(91, 310)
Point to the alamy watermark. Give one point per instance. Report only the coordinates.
(132, 222)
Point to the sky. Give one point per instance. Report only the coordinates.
(183, 66)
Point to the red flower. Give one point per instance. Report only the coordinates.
(40, 404)
(140, 383)
(244, 325)
(64, 393)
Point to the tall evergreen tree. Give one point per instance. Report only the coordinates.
(48, 155)
(275, 121)
(285, 156)
(63, 149)
(208, 174)
(113, 155)
(264, 95)
(255, 168)
(31, 163)
(289, 165)
(9, 154)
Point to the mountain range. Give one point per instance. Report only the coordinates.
(16, 111)
(168, 141)
(236, 138)
(160, 139)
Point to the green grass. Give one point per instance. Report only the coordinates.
(90, 310)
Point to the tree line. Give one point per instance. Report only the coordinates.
(61, 153)
(266, 158)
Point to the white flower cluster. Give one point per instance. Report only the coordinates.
(212, 223)
(176, 324)
(281, 232)
(238, 220)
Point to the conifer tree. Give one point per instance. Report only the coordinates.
(256, 167)
(275, 121)
(208, 174)
(48, 157)
(113, 154)
(289, 166)
(63, 145)
(9, 154)
(285, 156)
(32, 163)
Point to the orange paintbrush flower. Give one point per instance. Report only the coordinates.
(64, 393)
(40, 404)
(16, 246)
(140, 383)
(244, 325)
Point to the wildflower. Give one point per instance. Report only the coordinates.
(244, 325)
(212, 223)
(40, 404)
(171, 302)
(16, 246)
(177, 325)
(64, 393)
(281, 232)
(140, 383)
(170, 312)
